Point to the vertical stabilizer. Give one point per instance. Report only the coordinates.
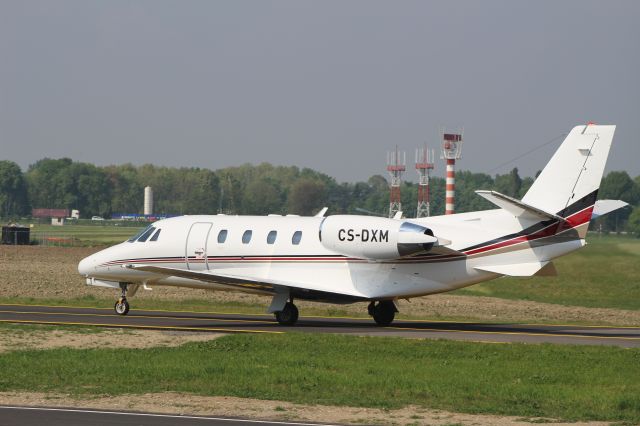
(574, 172)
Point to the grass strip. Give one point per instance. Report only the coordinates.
(604, 274)
(564, 382)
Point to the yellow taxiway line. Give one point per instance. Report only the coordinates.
(150, 327)
(517, 333)
(137, 316)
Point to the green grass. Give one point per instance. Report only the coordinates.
(565, 382)
(604, 274)
(71, 234)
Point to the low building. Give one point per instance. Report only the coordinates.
(57, 216)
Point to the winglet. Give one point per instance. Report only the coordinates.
(517, 207)
(398, 215)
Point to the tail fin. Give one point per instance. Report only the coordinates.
(570, 181)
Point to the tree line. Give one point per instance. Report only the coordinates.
(256, 189)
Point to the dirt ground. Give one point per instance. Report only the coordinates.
(46, 338)
(186, 404)
(51, 272)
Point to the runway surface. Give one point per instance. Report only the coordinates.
(33, 416)
(247, 323)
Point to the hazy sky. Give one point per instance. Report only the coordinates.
(330, 85)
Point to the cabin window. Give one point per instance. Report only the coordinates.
(145, 236)
(246, 237)
(297, 236)
(156, 235)
(222, 236)
(139, 234)
(271, 238)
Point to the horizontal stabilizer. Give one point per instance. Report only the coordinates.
(517, 207)
(603, 207)
(516, 269)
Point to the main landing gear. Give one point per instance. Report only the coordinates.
(288, 315)
(122, 306)
(382, 312)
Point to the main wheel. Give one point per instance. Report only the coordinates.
(122, 307)
(384, 313)
(288, 315)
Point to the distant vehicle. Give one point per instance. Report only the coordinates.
(97, 218)
(351, 258)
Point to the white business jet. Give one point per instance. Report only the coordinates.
(349, 258)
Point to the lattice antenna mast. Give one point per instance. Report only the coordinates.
(424, 165)
(451, 151)
(396, 166)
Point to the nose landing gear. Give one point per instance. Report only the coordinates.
(122, 306)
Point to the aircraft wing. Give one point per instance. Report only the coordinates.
(247, 284)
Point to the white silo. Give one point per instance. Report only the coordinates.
(148, 200)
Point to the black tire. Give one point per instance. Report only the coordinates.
(384, 313)
(121, 307)
(287, 316)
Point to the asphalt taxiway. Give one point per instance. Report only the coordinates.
(33, 416)
(247, 323)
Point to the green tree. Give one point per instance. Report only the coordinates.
(13, 190)
(127, 192)
(65, 184)
(618, 186)
(262, 197)
(633, 224)
(305, 197)
(508, 184)
(466, 185)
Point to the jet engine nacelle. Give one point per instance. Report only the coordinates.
(374, 238)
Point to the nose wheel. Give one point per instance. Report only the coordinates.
(122, 306)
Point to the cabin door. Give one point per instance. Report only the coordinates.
(196, 249)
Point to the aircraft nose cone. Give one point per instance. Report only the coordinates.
(87, 265)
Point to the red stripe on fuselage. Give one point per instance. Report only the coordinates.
(571, 222)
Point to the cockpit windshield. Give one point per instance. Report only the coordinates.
(144, 237)
(140, 234)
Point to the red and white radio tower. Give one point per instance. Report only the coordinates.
(396, 167)
(451, 151)
(424, 164)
